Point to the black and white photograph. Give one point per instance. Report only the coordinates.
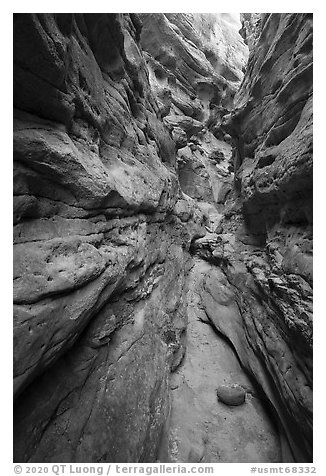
(163, 238)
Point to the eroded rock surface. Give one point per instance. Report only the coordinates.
(202, 429)
(262, 299)
(122, 166)
(98, 276)
(196, 64)
(251, 28)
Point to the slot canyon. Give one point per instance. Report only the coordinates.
(163, 237)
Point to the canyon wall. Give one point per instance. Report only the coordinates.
(99, 262)
(261, 296)
(196, 64)
(101, 230)
(273, 131)
(123, 126)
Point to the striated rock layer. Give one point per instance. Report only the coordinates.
(98, 272)
(261, 298)
(195, 64)
(122, 164)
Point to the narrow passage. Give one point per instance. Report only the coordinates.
(201, 428)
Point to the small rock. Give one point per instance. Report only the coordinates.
(231, 394)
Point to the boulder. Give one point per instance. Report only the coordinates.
(232, 395)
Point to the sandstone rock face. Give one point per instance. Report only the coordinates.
(196, 63)
(261, 299)
(123, 125)
(199, 53)
(98, 273)
(251, 28)
(201, 428)
(261, 323)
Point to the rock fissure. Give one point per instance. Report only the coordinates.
(163, 237)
